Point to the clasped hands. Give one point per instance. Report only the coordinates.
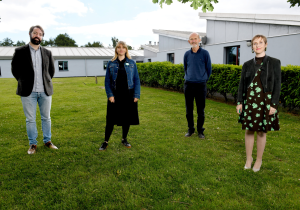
(112, 99)
(239, 109)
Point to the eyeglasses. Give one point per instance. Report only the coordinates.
(38, 34)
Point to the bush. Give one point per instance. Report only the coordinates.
(224, 79)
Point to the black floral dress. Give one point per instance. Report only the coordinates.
(255, 116)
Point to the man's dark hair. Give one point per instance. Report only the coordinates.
(37, 26)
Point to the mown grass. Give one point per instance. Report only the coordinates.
(162, 170)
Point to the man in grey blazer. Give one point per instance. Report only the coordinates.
(33, 67)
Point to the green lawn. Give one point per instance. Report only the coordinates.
(162, 170)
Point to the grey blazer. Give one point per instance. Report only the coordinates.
(22, 69)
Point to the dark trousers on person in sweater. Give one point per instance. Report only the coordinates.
(198, 92)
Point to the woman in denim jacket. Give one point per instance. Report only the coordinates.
(122, 85)
(258, 98)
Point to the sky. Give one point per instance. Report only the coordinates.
(131, 21)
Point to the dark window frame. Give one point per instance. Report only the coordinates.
(105, 66)
(233, 54)
(171, 58)
(62, 66)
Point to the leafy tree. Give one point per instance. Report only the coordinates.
(64, 40)
(7, 42)
(130, 48)
(294, 2)
(20, 43)
(114, 41)
(205, 4)
(50, 42)
(94, 44)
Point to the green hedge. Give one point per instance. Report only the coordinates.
(224, 79)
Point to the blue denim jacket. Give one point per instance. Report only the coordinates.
(133, 79)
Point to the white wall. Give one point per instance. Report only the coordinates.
(218, 31)
(6, 69)
(162, 56)
(168, 43)
(76, 68)
(284, 48)
(81, 68)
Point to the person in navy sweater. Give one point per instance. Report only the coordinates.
(197, 69)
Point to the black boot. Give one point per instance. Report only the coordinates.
(125, 143)
(103, 146)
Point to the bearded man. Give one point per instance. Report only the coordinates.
(33, 67)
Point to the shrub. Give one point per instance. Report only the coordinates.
(224, 79)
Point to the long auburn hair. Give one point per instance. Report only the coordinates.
(117, 46)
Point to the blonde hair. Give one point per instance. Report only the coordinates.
(117, 46)
(258, 36)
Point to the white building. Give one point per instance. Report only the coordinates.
(172, 46)
(71, 61)
(228, 37)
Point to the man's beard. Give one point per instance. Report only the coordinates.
(195, 45)
(35, 41)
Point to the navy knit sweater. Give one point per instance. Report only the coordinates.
(197, 66)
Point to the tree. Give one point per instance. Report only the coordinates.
(94, 44)
(114, 41)
(7, 42)
(294, 2)
(130, 48)
(205, 4)
(51, 42)
(20, 43)
(64, 40)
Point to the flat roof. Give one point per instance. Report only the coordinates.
(278, 19)
(184, 35)
(72, 52)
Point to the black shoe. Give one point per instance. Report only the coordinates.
(125, 143)
(189, 134)
(201, 136)
(103, 146)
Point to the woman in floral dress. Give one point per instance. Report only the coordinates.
(258, 99)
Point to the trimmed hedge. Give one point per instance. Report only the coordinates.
(224, 79)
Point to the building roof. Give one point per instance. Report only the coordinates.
(184, 35)
(152, 48)
(73, 52)
(253, 18)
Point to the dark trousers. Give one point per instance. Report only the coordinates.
(110, 127)
(198, 92)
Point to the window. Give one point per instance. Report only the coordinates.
(149, 60)
(63, 66)
(105, 65)
(233, 55)
(171, 57)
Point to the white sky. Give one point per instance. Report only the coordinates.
(129, 20)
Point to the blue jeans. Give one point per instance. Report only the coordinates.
(29, 107)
